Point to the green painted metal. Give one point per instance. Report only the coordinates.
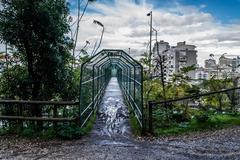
(95, 75)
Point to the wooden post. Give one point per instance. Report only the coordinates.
(234, 95)
(150, 120)
(55, 115)
(20, 113)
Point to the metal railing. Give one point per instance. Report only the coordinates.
(227, 100)
(95, 75)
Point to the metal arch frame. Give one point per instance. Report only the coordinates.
(133, 105)
(133, 98)
(129, 78)
(93, 97)
(98, 65)
(118, 61)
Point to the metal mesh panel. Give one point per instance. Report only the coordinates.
(96, 73)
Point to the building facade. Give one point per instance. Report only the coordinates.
(210, 63)
(174, 58)
(225, 68)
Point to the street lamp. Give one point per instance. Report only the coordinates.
(148, 43)
(100, 24)
(87, 43)
(150, 48)
(83, 48)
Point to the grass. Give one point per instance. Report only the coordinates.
(86, 130)
(2, 131)
(136, 129)
(217, 121)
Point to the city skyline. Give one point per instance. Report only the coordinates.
(212, 26)
(199, 23)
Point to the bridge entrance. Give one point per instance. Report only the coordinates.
(95, 75)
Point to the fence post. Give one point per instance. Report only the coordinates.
(234, 95)
(79, 115)
(20, 113)
(55, 115)
(150, 120)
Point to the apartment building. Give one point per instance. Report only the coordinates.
(174, 58)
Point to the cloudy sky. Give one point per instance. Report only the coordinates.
(212, 25)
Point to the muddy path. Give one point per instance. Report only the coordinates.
(111, 139)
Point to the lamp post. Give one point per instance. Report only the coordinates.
(150, 47)
(148, 43)
(100, 24)
(83, 48)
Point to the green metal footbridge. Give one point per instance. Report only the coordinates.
(95, 75)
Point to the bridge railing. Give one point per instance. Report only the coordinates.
(95, 75)
(223, 101)
(94, 79)
(130, 81)
(51, 112)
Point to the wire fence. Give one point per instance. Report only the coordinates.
(223, 101)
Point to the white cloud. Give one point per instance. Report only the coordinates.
(126, 26)
(203, 6)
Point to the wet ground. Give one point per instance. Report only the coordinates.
(112, 120)
(111, 139)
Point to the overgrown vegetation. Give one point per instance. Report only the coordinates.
(135, 127)
(37, 65)
(192, 114)
(62, 131)
(209, 122)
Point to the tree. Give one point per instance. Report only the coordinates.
(215, 84)
(37, 29)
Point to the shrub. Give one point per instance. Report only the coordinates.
(202, 118)
(69, 131)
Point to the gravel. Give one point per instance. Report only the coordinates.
(111, 139)
(220, 144)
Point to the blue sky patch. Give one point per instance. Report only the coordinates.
(225, 11)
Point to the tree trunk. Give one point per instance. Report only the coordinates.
(35, 83)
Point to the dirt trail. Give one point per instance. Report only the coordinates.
(221, 144)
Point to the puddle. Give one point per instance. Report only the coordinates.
(116, 143)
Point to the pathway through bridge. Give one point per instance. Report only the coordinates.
(112, 124)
